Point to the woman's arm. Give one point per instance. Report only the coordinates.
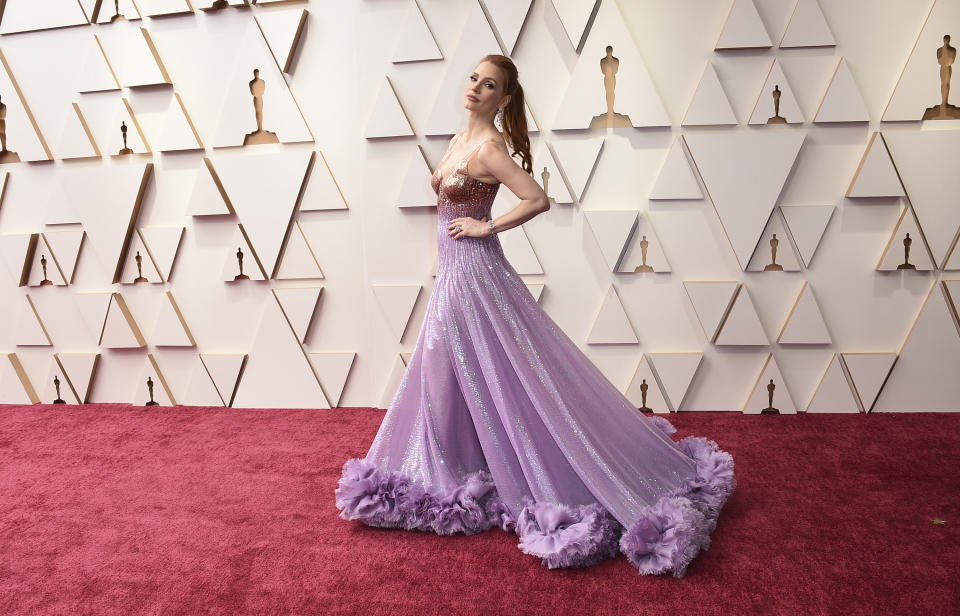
(494, 160)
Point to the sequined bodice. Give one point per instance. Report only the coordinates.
(460, 194)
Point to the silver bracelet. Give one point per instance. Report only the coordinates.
(491, 225)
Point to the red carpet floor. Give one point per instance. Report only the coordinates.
(113, 509)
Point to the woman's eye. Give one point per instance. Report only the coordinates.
(472, 78)
(489, 85)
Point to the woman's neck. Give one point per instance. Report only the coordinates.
(477, 126)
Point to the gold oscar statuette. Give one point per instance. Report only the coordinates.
(770, 410)
(906, 265)
(151, 402)
(257, 88)
(643, 396)
(643, 267)
(776, 119)
(773, 266)
(140, 277)
(56, 384)
(43, 264)
(241, 275)
(6, 156)
(945, 58)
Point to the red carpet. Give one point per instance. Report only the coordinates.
(113, 509)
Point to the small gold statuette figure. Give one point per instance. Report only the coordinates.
(643, 396)
(906, 265)
(140, 277)
(776, 119)
(6, 156)
(116, 11)
(609, 65)
(123, 131)
(241, 275)
(770, 410)
(773, 266)
(56, 384)
(643, 267)
(545, 177)
(945, 57)
(219, 4)
(151, 402)
(257, 88)
(43, 264)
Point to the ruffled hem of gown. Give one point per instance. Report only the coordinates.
(666, 536)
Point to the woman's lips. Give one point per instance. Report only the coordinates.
(472, 98)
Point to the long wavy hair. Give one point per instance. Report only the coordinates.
(514, 114)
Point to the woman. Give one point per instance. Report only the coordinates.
(500, 419)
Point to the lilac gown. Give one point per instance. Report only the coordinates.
(500, 420)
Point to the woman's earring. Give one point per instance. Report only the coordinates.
(498, 121)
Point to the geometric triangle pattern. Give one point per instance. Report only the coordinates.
(574, 16)
(776, 90)
(387, 119)
(805, 323)
(282, 30)
(397, 302)
(876, 176)
(906, 249)
(644, 390)
(770, 390)
(834, 393)
(676, 179)
(675, 371)
(743, 28)
(416, 42)
(611, 325)
(711, 299)
(332, 370)
(843, 101)
(806, 224)
(775, 250)
(709, 105)
(742, 325)
(807, 27)
(868, 373)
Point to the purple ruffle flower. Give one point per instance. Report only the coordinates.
(565, 536)
(666, 537)
(662, 424)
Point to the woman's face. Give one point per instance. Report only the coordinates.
(485, 89)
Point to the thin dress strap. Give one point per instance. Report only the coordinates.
(464, 161)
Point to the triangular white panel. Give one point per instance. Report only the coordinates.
(387, 118)
(536, 289)
(951, 289)
(775, 234)
(743, 28)
(611, 229)
(48, 386)
(764, 109)
(76, 140)
(742, 325)
(237, 119)
(106, 114)
(546, 170)
(760, 396)
(416, 42)
(675, 372)
(322, 192)
(298, 261)
(242, 254)
(578, 156)
(574, 15)
(895, 253)
(868, 372)
(22, 133)
(131, 54)
(918, 88)
(92, 308)
(332, 369)
(635, 95)
(224, 370)
(843, 101)
(147, 269)
(29, 330)
(200, 391)
(299, 306)
(80, 369)
(162, 244)
(807, 27)
(36, 276)
(28, 15)
(519, 252)
(397, 302)
(161, 389)
(415, 190)
(171, 329)
(120, 331)
(952, 262)
(611, 325)
(206, 198)
(278, 373)
(163, 118)
(263, 190)
(876, 176)
(95, 74)
(806, 224)
(709, 105)
(927, 162)
(15, 385)
(655, 400)
(710, 299)
(744, 173)
(676, 179)
(644, 249)
(924, 377)
(507, 17)
(805, 324)
(282, 30)
(65, 247)
(833, 394)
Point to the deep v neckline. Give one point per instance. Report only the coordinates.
(460, 167)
